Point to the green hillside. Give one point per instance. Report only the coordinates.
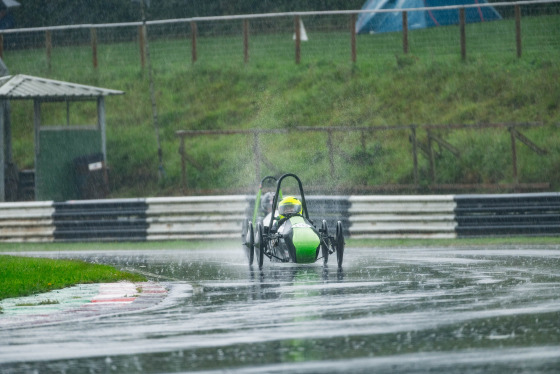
(384, 88)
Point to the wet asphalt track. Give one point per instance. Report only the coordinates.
(411, 310)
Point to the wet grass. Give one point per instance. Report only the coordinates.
(22, 276)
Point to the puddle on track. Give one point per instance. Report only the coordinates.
(411, 310)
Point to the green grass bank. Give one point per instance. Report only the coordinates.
(22, 276)
(431, 85)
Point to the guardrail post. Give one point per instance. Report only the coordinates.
(93, 33)
(298, 38)
(48, 46)
(193, 41)
(353, 54)
(405, 32)
(463, 34)
(518, 30)
(2, 46)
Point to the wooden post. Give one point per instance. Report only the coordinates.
(142, 44)
(353, 37)
(2, 46)
(405, 32)
(102, 125)
(93, 33)
(298, 39)
(518, 30)
(246, 41)
(183, 165)
(193, 41)
(463, 34)
(514, 155)
(414, 153)
(432, 159)
(48, 45)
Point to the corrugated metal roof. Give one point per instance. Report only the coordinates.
(27, 87)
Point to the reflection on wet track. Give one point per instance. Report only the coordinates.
(397, 310)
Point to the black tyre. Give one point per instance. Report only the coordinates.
(339, 242)
(325, 242)
(244, 231)
(250, 242)
(259, 245)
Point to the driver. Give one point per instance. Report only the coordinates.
(289, 206)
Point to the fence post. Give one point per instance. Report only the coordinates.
(463, 34)
(513, 155)
(405, 32)
(93, 33)
(432, 159)
(183, 165)
(193, 40)
(246, 41)
(48, 45)
(2, 46)
(142, 44)
(414, 153)
(518, 30)
(353, 37)
(298, 39)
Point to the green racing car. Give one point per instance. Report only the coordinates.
(281, 229)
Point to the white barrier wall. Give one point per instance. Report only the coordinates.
(220, 217)
(207, 217)
(385, 217)
(27, 222)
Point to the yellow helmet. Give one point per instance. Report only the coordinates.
(289, 206)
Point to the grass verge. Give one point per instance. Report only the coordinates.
(22, 276)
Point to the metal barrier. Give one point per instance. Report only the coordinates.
(207, 217)
(515, 214)
(27, 222)
(220, 217)
(100, 220)
(386, 217)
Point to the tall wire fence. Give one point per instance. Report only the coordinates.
(526, 28)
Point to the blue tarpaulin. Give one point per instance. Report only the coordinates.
(392, 21)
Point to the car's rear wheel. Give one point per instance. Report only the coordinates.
(250, 242)
(339, 242)
(259, 245)
(325, 242)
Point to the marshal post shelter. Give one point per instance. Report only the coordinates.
(70, 159)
